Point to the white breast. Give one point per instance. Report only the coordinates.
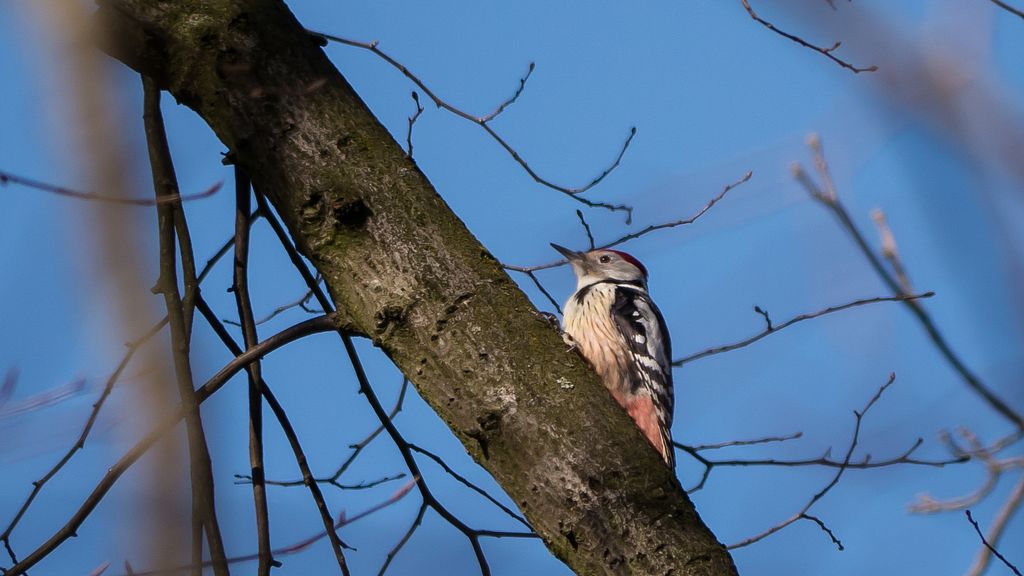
(591, 326)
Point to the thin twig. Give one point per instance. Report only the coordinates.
(544, 291)
(825, 461)
(1015, 11)
(405, 538)
(586, 228)
(79, 444)
(7, 177)
(767, 318)
(97, 406)
(515, 96)
(634, 235)
(440, 462)
(357, 449)
(303, 544)
(796, 320)
(830, 200)
(803, 514)
(981, 563)
(320, 324)
(731, 443)
(484, 123)
(827, 52)
(994, 469)
(302, 302)
(412, 122)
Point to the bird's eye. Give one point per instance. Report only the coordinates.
(605, 259)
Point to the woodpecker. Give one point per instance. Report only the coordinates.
(613, 322)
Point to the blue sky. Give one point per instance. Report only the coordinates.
(713, 95)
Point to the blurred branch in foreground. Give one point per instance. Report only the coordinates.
(825, 194)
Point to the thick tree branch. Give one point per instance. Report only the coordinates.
(406, 271)
(404, 447)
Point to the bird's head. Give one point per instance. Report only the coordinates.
(603, 265)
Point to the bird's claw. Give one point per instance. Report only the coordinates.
(570, 342)
(551, 319)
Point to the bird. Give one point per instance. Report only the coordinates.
(612, 321)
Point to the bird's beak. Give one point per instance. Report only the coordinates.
(571, 255)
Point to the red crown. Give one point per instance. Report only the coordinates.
(629, 258)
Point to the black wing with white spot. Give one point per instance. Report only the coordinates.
(643, 330)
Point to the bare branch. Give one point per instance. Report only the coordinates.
(440, 462)
(1015, 11)
(179, 317)
(412, 122)
(7, 177)
(586, 228)
(731, 443)
(804, 514)
(243, 303)
(289, 431)
(994, 469)
(767, 318)
(97, 406)
(405, 538)
(501, 107)
(906, 457)
(484, 123)
(357, 449)
(796, 320)
(830, 200)
(326, 323)
(79, 444)
(981, 563)
(826, 52)
(544, 291)
(647, 230)
(42, 399)
(302, 302)
(301, 545)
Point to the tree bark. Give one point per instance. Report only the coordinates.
(407, 272)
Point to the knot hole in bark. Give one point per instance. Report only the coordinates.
(490, 425)
(387, 318)
(351, 214)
